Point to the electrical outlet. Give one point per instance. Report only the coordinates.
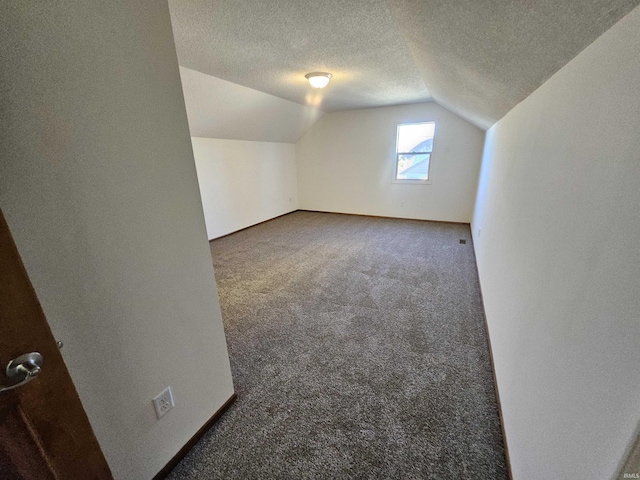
(402, 204)
(290, 199)
(163, 402)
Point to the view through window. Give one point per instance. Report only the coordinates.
(414, 145)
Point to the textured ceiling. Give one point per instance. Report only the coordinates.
(478, 58)
(269, 45)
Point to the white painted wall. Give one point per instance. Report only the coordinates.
(244, 183)
(556, 230)
(98, 185)
(217, 108)
(346, 164)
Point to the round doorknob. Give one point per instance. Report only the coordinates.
(22, 370)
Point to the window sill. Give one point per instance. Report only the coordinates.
(412, 182)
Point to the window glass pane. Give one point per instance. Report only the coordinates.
(416, 137)
(413, 167)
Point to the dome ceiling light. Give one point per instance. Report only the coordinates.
(318, 79)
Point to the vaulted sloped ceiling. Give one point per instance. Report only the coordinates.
(478, 58)
(220, 109)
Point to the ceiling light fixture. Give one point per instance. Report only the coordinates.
(318, 79)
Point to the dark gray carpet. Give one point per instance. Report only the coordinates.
(358, 350)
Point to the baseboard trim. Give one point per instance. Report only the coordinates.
(252, 225)
(193, 440)
(383, 216)
(335, 213)
(493, 372)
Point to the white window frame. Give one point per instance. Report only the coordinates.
(407, 181)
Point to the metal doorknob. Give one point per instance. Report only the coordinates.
(22, 370)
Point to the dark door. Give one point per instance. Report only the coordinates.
(44, 430)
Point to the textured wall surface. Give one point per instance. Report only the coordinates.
(555, 230)
(98, 185)
(244, 183)
(346, 164)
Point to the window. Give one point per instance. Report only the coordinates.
(414, 145)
